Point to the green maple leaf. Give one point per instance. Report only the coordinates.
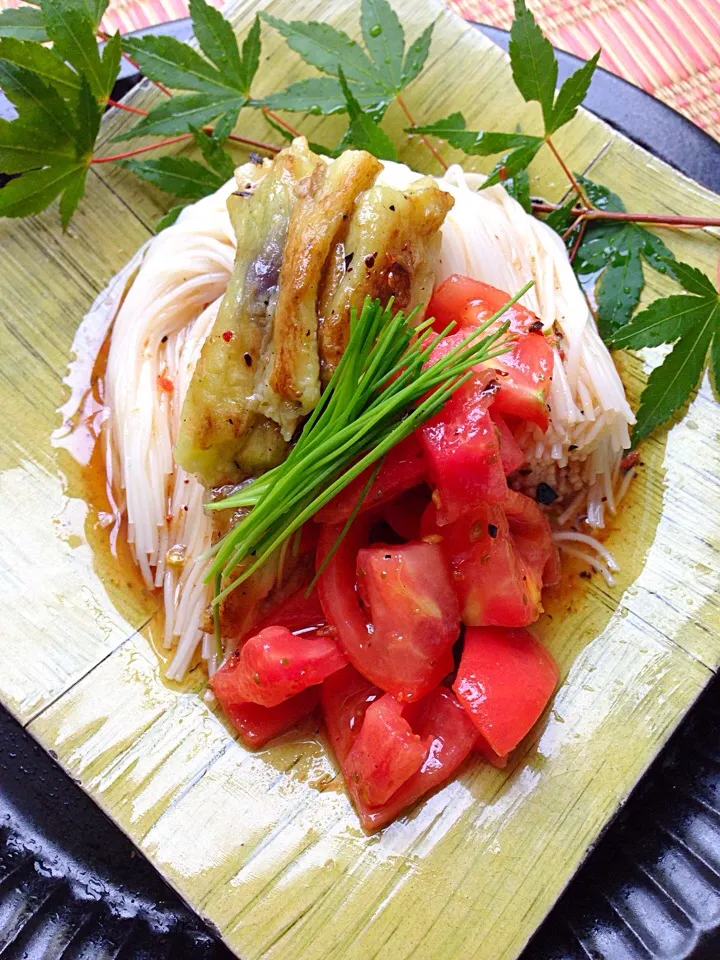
(475, 143)
(482, 143)
(375, 75)
(518, 186)
(180, 176)
(219, 82)
(215, 156)
(43, 62)
(363, 132)
(53, 157)
(535, 71)
(691, 321)
(23, 23)
(617, 250)
(72, 27)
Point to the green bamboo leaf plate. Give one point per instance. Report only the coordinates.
(265, 845)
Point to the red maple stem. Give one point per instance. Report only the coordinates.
(662, 219)
(283, 123)
(145, 149)
(425, 140)
(127, 107)
(269, 147)
(568, 173)
(578, 240)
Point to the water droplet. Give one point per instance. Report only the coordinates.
(626, 289)
(375, 30)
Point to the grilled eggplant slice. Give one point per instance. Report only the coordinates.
(314, 239)
(328, 202)
(222, 438)
(387, 250)
(258, 371)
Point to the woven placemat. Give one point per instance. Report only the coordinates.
(671, 48)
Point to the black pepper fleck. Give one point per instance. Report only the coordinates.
(492, 530)
(348, 259)
(248, 360)
(545, 494)
(392, 207)
(536, 327)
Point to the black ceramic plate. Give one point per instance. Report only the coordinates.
(73, 887)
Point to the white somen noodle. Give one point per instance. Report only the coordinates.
(171, 306)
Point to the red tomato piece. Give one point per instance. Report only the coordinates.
(337, 593)
(526, 370)
(385, 753)
(257, 725)
(402, 468)
(345, 697)
(274, 665)
(462, 452)
(532, 536)
(403, 514)
(438, 720)
(511, 453)
(297, 613)
(493, 584)
(504, 681)
(414, 614)
(471, 302)
(488, 754)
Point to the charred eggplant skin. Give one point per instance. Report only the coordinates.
(314, 239)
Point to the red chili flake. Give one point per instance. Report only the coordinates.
(166, 384)
(227, 336)
(503, 172)
(628, 462)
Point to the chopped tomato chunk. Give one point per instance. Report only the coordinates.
(462, 452)
(492, 581)
(385, 753)
(402, 468)
(274, 665)
(526, 370)
(403, 514)
(504, 681)
(406, 649)
(471, 302)
(511, 454)
(297, 613)
(257, 725)
(532, 536)
(345, 697)
(414, 613)
(438, 720)
(525, 375)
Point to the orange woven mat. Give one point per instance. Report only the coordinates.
(671, 48)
